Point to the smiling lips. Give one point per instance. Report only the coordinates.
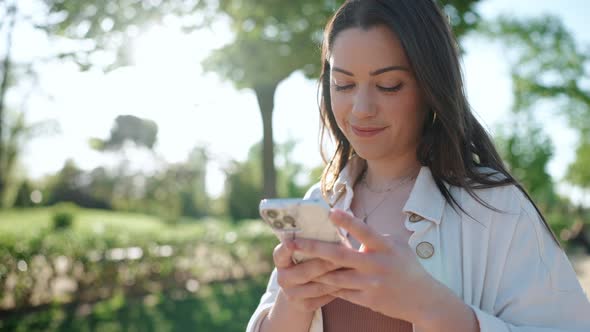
(366, 131)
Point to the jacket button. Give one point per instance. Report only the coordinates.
(425, 250)
(415, 217)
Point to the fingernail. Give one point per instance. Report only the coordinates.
(336, 214)
(333, 212)
(362, 247)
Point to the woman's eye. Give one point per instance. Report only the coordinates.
(382, 88)
(343, 87)
(390, 89)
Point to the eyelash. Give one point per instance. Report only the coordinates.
(382, 88)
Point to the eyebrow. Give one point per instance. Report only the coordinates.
(373, 73)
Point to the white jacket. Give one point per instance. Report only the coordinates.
(505, 266)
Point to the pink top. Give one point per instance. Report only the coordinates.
(387, 218)
(342, 316)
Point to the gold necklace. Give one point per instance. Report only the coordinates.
(386, 191)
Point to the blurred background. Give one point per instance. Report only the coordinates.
(138, 136)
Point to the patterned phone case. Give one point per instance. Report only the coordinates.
(300, 218)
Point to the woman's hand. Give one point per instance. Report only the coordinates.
(383, 275)
(296, 280)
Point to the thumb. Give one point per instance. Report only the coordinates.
(283, 253)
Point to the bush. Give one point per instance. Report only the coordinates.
(63, 215)
(106, 253)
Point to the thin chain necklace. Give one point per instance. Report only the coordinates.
(389, 189)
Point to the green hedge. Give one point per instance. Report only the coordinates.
(104, 253)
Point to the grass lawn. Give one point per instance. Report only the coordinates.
(29, 231)
(24, 222)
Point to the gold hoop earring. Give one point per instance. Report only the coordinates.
(433, 119)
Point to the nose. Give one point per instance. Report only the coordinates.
(363, 105)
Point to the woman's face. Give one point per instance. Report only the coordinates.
(375, 97)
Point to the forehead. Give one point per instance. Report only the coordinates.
(376, 47)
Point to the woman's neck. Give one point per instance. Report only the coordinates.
(381, 172)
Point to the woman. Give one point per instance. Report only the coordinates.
(443, 237)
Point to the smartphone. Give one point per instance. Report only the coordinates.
(291, 218)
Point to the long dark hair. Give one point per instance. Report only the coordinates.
(455, 144)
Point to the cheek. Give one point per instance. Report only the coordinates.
(340, 107)
(406, 108)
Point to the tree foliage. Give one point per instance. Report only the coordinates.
(527, 150)
(273, 39)
(548, 65)
(91, 34)
(128, 128)
(243, 185)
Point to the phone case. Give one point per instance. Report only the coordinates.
(300, 218)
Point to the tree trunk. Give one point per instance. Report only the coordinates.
(11, 15)
(265, 95)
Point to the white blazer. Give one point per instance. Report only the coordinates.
(505, 266)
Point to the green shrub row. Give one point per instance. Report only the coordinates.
(91, 259)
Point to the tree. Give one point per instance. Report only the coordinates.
(23, 195)
(195, 198)
(180, 189)
(71, 184)
(128, 128)
(18, 133)
(89, 28)
(65, 185)
(549, 66)
(243, 185)
(273, 39)
(9, 14)
(128, 132)
(578, 171)
(289, 171)
(527, 151)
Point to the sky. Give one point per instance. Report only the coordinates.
(191, 108)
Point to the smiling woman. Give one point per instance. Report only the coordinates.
(374, 95)
(448, 239)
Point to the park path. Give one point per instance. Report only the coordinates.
(582, 266)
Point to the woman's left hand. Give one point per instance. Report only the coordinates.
(383, 275)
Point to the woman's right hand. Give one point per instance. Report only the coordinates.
(295, 279)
